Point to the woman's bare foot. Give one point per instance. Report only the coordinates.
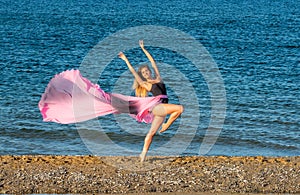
(164, 127)
(143, 156)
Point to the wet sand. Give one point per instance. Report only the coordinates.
(176, 175)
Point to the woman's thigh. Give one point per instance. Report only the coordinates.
(165, 109)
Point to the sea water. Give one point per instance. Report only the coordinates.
(254, 44)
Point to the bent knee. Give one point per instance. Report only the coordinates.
(181, 109)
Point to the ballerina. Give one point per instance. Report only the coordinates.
(144, 83)
(70, 98)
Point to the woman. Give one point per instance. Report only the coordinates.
(144, 83)
(71, 98)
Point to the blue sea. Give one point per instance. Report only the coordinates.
(254, 45)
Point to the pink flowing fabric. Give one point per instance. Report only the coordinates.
(71, 98)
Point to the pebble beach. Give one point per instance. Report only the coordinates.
(42, 174)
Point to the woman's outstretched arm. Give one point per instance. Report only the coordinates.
(153, 63)
(144, 84)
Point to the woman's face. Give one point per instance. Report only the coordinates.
(146, 73)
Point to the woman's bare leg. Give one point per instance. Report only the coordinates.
(164, 109)
(173, 116)
(156, 123)
(160, 112)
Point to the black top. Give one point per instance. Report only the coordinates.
(159, 89)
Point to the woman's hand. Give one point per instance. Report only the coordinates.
(141, 42)
(122, 56)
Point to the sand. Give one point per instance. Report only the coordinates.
(176, 175)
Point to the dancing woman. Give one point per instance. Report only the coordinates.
(144, 83)
(71, 98)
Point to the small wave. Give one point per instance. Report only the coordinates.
(254, 143)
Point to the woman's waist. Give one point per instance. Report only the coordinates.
(164, 99)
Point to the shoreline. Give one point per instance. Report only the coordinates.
(158, 174)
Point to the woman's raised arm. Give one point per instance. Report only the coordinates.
(144, 84)
(153, 63)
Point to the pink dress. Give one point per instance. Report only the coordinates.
(71, 98)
